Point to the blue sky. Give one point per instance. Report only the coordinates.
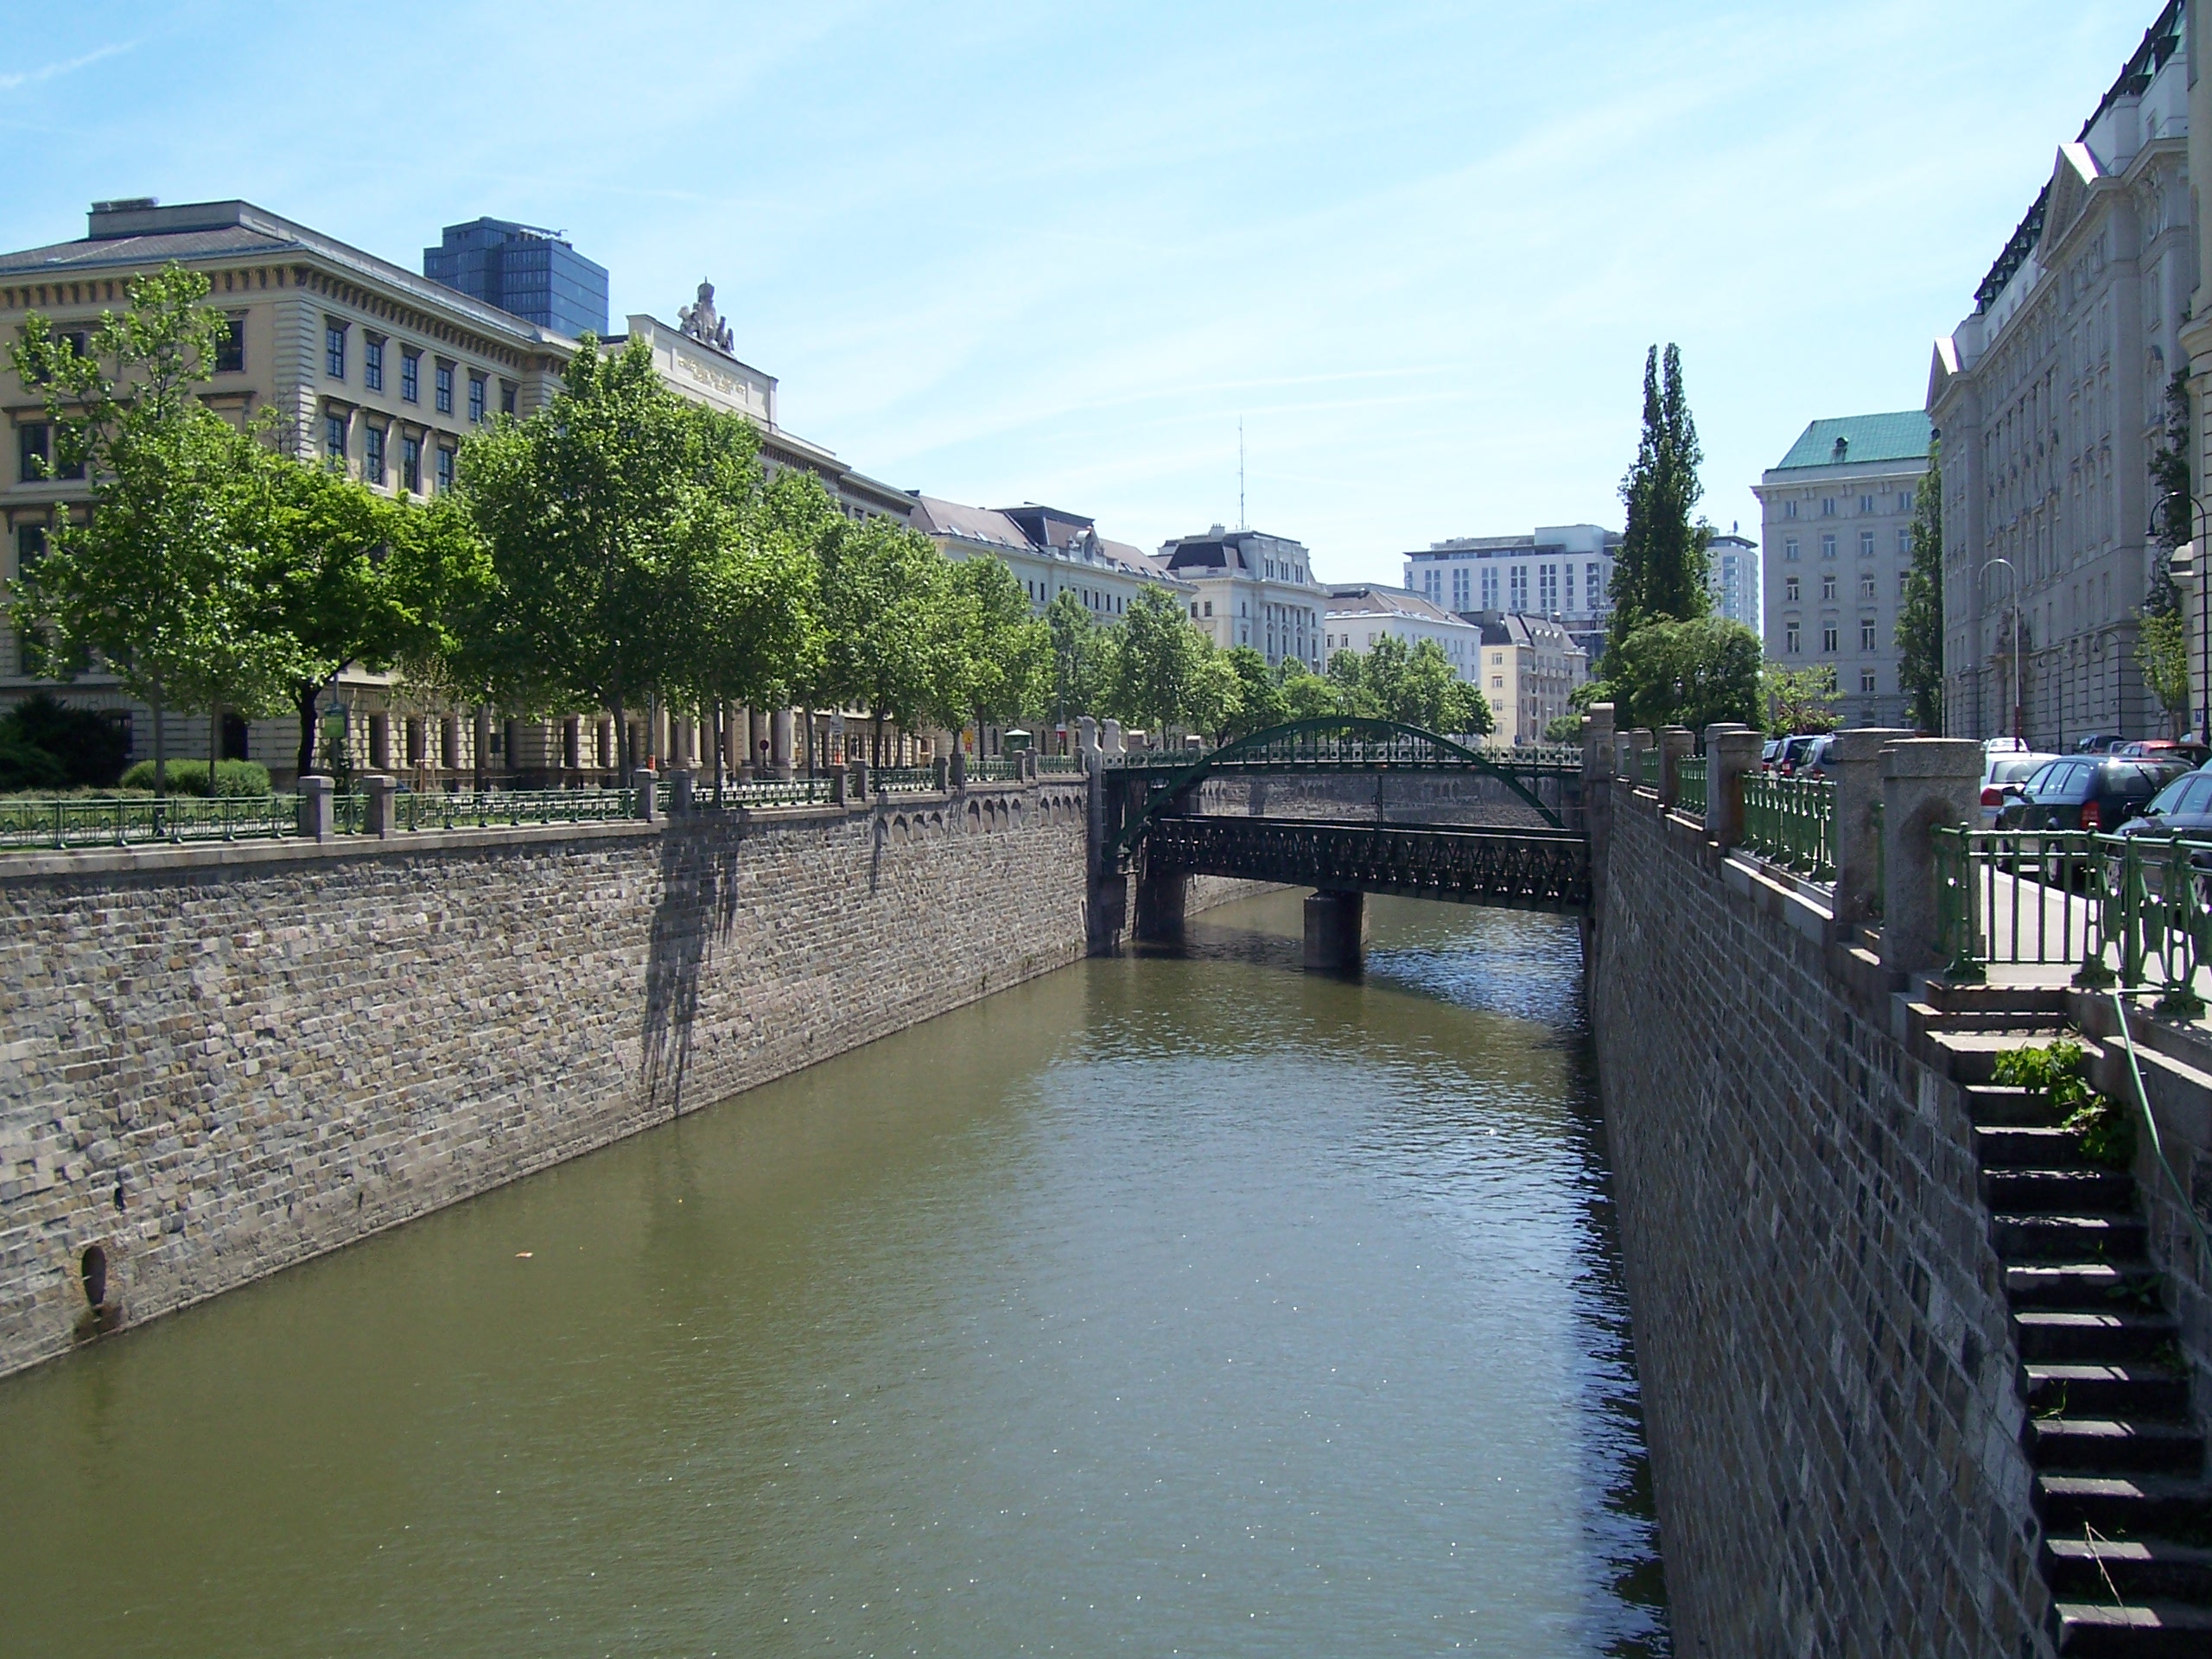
(1043, 252)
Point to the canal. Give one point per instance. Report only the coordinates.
(1169, 1305)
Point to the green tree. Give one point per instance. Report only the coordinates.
(1659, 574)
(1566, 729)
(2162, 639)
(161, 581)
(890, 627)
(1799, 699)
(1080, 654)
(1260, 700)
(1692, 674)
(1008, 655)
(1155, 665)
(1920, 618)
(1306, 696)
(1348, 682)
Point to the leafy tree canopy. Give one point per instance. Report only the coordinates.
(1659, 574)
(1920, 618)
(1799, 699)
(1690, 674)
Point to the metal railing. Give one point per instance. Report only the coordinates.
(1647, 768)
(1004, 770)
(902, 780)
(1059, 763)
(466, 809)
(766, 791)
(135, 821)
(2125, 910)
(1791, 822)
(1689, 786)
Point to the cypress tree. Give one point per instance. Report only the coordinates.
(1659, 575)
(1920, 619)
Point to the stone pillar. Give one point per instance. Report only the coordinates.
(1855, 765)
(381, 790)
(860, 781)
(680, 785)
(1635, 746)
(941, 770)
(1109, 739)
(956, 770)
(1029, 766)
(1086, 736)
(1926, 781)
(1598, 740)
(318, 821)
(1731, 752)
(838, 783)
(1160, 895)
(1335, 932)
(779, 742)
(645, 780)
(1675, 743)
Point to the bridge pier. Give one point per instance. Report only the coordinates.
(1336, 931)
(1161, 891)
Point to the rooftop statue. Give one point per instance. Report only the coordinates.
(704, 324)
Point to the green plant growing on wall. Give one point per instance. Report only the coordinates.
(2055, 1071)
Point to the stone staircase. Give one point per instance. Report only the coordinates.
(2119, 1464)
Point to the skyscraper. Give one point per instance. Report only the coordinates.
(534, 274)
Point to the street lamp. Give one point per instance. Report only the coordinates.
(2203, 606)
(2014, 571)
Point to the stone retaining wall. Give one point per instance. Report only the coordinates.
(218, 1062)
(1822, 1332)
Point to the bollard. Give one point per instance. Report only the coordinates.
(383, 792)
(1674, 745)
(645, 782)
(1731, 751)
(681, 785)
(1926, 781)
(1597, 757)
(1854, 764)
(318, 821)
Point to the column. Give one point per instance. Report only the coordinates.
(1926, 781)
(1674, 745)
(779, 742)
(1855, 763)
(1732, 753)
(1335, 932)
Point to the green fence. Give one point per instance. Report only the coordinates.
(902, 780)
(1791, 821)
(1001, 771)
(137, 821)
(1059, 763)
(2125, 910)
(438, 809)
(1689, 786)
(1647, 768)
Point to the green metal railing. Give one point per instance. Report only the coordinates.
(1647, 768)
(1000, 770)
(1791, 821)
(1689, 786)
(2125, 909)
(902, 780)
(465, 808)
(1059, 763)
(133, 821)
(773, 792)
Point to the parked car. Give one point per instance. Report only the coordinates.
(2086, 792)
(1770, 752)
(1794, 751)
(2098, 743)
(2004, 774)
(2186, 750)
(2183, 808)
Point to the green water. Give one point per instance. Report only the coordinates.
(1168, 1304)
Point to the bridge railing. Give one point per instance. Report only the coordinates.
(1689, 777)
(1791, 822)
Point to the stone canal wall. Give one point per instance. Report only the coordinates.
(1820, 1326)
(218, 1062)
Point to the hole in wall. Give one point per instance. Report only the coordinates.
(92, 1266)
(118, 1195)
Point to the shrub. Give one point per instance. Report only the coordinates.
(190, 777)
(87, 746)
(2107, 1132)
(26, 767)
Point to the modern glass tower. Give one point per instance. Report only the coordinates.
(532, 273)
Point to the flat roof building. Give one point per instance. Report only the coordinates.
(538, 275)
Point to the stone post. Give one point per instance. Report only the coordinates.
(681, 782)
(1639, 745)
(1731, 752)
(1029, 766)
(957, 772)
(318, 822)
(1926, 781)
(1109, 739)
(941, 770)
(1854, 764)
(1086, 737)
(645, 781)
(1335, 932)
(838, 786)
(1675, 743)
(860, 781)
(779, 742)
(382, 790)
(1598, 740)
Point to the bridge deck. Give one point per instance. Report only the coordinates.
(1516, 868)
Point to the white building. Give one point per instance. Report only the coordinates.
(1051, 552)
(1252, 589)
(1837, 517)
(1530, 667)
(1561, 571)
(1359, 614)
(2050, 399)
(1732, 577)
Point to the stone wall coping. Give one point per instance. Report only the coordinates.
(1932, 757)
(1866, 742)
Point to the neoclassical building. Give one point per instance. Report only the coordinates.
(1252, 589)
(1050, 552)
(2048, 401)
(1360, 613)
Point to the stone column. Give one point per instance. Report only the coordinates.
(1675, 743)
(644, 780)
(779, 742)
(1855, 765)
(1731, 752)
(941, 771)
(838, 783)
(680, 784)
(1335, 932)
(957, 773)
(860, 781)
(381, 790)
(1161, 897)
(318, 822)
(1109, 739)
(1926, 781)
(1086, 736)
(1598, 740)
(1639, 744)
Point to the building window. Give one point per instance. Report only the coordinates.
(1459, 597)
(1789, 639)
(1209, 607)
(410, 465)
(1789, 549)
(1827, 638)
(1789, 509)
(1865, 635)
(333, 349)
(1866, 584)
(1865, 504)
(1593, 592)
(1548, 587)
(334, 441)
(1828, 547)
(1789, 590)
(1866, 681)
(1904, 579)
(442, 388)
(476, 399)
(1489, 590)
(445, 469)
(1827, 586)
(373, 362)
(411, 375)
(1904, 501)
(1827, 506)
(1866, 543)
(506, 397)
(230, 350)
(373, 457)
(1904, 543)
(1520, 587)
(31, 452)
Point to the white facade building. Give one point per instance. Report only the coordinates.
(1561, 571)
(1050, 552)
(1837, 517)
(1252, 589)
(1732, 577)
(2050, 399)
(1531, 666)
(1360, 614)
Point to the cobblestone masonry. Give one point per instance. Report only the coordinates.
(1820, 1326)
(218, 1062)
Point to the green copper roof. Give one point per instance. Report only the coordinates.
(1901, 436)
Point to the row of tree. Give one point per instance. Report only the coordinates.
(622, 546)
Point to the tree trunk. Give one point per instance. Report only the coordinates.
(214, 743)
(305, 695)
(809, 713)
(160, 751)
(721, 743)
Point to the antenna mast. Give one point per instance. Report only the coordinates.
(1241, 522)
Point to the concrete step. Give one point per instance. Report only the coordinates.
(2134, 1388)
(2139, 1569)
(2050, 1002)
(1997, 1105)
(1970, 1057)
(2049, 1236)
(2090, 1336)
(2124, 1506)
(2028, 1025)
(2029, 1146)
(2152, 1629)
(2063, 1192)
(2113, 1445)
(2083, 1286)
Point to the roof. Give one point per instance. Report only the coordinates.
(140, 234)
(1367, 597)
(984, 524)
(1866, 439)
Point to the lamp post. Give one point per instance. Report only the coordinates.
(2204, 607)
(2014, 571)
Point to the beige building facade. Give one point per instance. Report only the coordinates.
(1252, 589)
(1530, 667)
(1361, 613)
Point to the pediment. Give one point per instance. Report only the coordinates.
(2074, 175)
